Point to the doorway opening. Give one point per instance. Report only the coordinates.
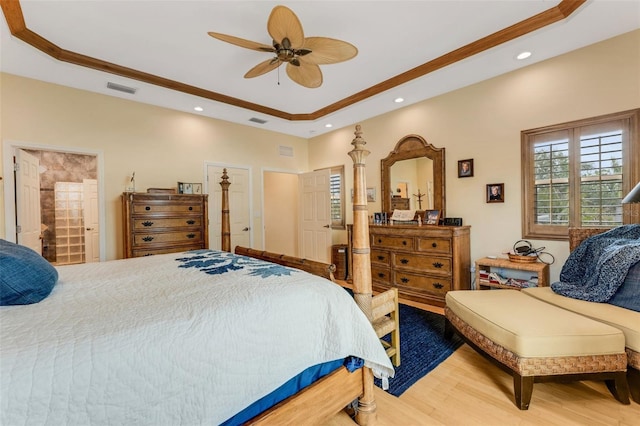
(71, 203)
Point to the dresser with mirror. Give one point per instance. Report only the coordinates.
(422, 261)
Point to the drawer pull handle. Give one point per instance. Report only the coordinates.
(147, 208)
(380, 275)
(379, 240)
(404, 261)
(404, 243)
(147, 223)
(404, 280)
(380, 257)
(147, 238)
(191, 222)
(437, 265)
(434, 245)
(438, 285)
(148, 254)
(191, 235)
(190, 208)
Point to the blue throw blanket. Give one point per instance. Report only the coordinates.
(597, 268)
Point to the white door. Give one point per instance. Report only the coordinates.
(239, 206)
(28, 201)
(91, 220)
(315, 212)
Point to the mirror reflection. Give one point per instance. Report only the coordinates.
(412, 184)
(412, 176)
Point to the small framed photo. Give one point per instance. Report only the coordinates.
(371, 195)
(495, 193)
(380, 218)
(197, 188)
(432, 217)
(465, 168)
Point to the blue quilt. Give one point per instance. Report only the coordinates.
(596, 270)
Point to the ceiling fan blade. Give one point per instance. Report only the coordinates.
(307, 75)
(263, 68)
(326, 50)
(283, 23)
(242, 42)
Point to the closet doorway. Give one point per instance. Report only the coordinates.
(70, 199)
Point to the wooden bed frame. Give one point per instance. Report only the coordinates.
(328, 396)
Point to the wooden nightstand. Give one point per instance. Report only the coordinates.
(538, 268)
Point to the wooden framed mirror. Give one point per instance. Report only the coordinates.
(413, 167)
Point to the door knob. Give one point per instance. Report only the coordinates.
(90, 229)
(326, 226)
(246, 228)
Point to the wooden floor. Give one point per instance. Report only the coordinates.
(466, 389)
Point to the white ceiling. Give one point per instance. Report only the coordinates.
(169, 39)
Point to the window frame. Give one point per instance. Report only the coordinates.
(630, 172)
(341, 223)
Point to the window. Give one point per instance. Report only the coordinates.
(576, 174)
(336, 189)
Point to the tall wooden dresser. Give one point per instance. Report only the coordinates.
(423, 262)
(157, 223)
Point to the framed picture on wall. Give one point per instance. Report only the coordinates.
(495, 193)
(465, 168)
(371, 194)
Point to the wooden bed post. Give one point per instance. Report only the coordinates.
(225, 230)
(362, 265)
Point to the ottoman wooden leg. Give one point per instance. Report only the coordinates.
(633, 379)
(448, 329)
(619, 388)
(522, 388)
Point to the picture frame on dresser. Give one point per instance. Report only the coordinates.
(189, 188)
(432, 217)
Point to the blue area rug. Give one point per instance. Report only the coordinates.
(422, 347)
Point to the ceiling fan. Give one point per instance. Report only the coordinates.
(302, 55)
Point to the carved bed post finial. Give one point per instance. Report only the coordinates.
(362, 264)
(225, 230)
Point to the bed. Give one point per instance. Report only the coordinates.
(194, 338)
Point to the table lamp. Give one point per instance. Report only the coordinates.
(633, 196)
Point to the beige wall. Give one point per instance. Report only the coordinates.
(483, 122)
(281, 213)
(162, 146)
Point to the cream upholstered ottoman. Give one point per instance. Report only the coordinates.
(536, 341)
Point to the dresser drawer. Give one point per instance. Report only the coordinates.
(381, 274)
(423, 283)
(380, 256)
(184, 208)
(422, 262)
(145, 238)
(434, 245)
(174, 222)
(150, 252)
(392, 242)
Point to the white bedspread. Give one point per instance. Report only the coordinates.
(145, 342)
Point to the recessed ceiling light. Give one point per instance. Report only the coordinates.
(398, 100)
(328, 125)
(199, 109)
(523, 55)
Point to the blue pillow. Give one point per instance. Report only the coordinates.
(628, 294)
(25, 276)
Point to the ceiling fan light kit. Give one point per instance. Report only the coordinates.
(302, 55)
